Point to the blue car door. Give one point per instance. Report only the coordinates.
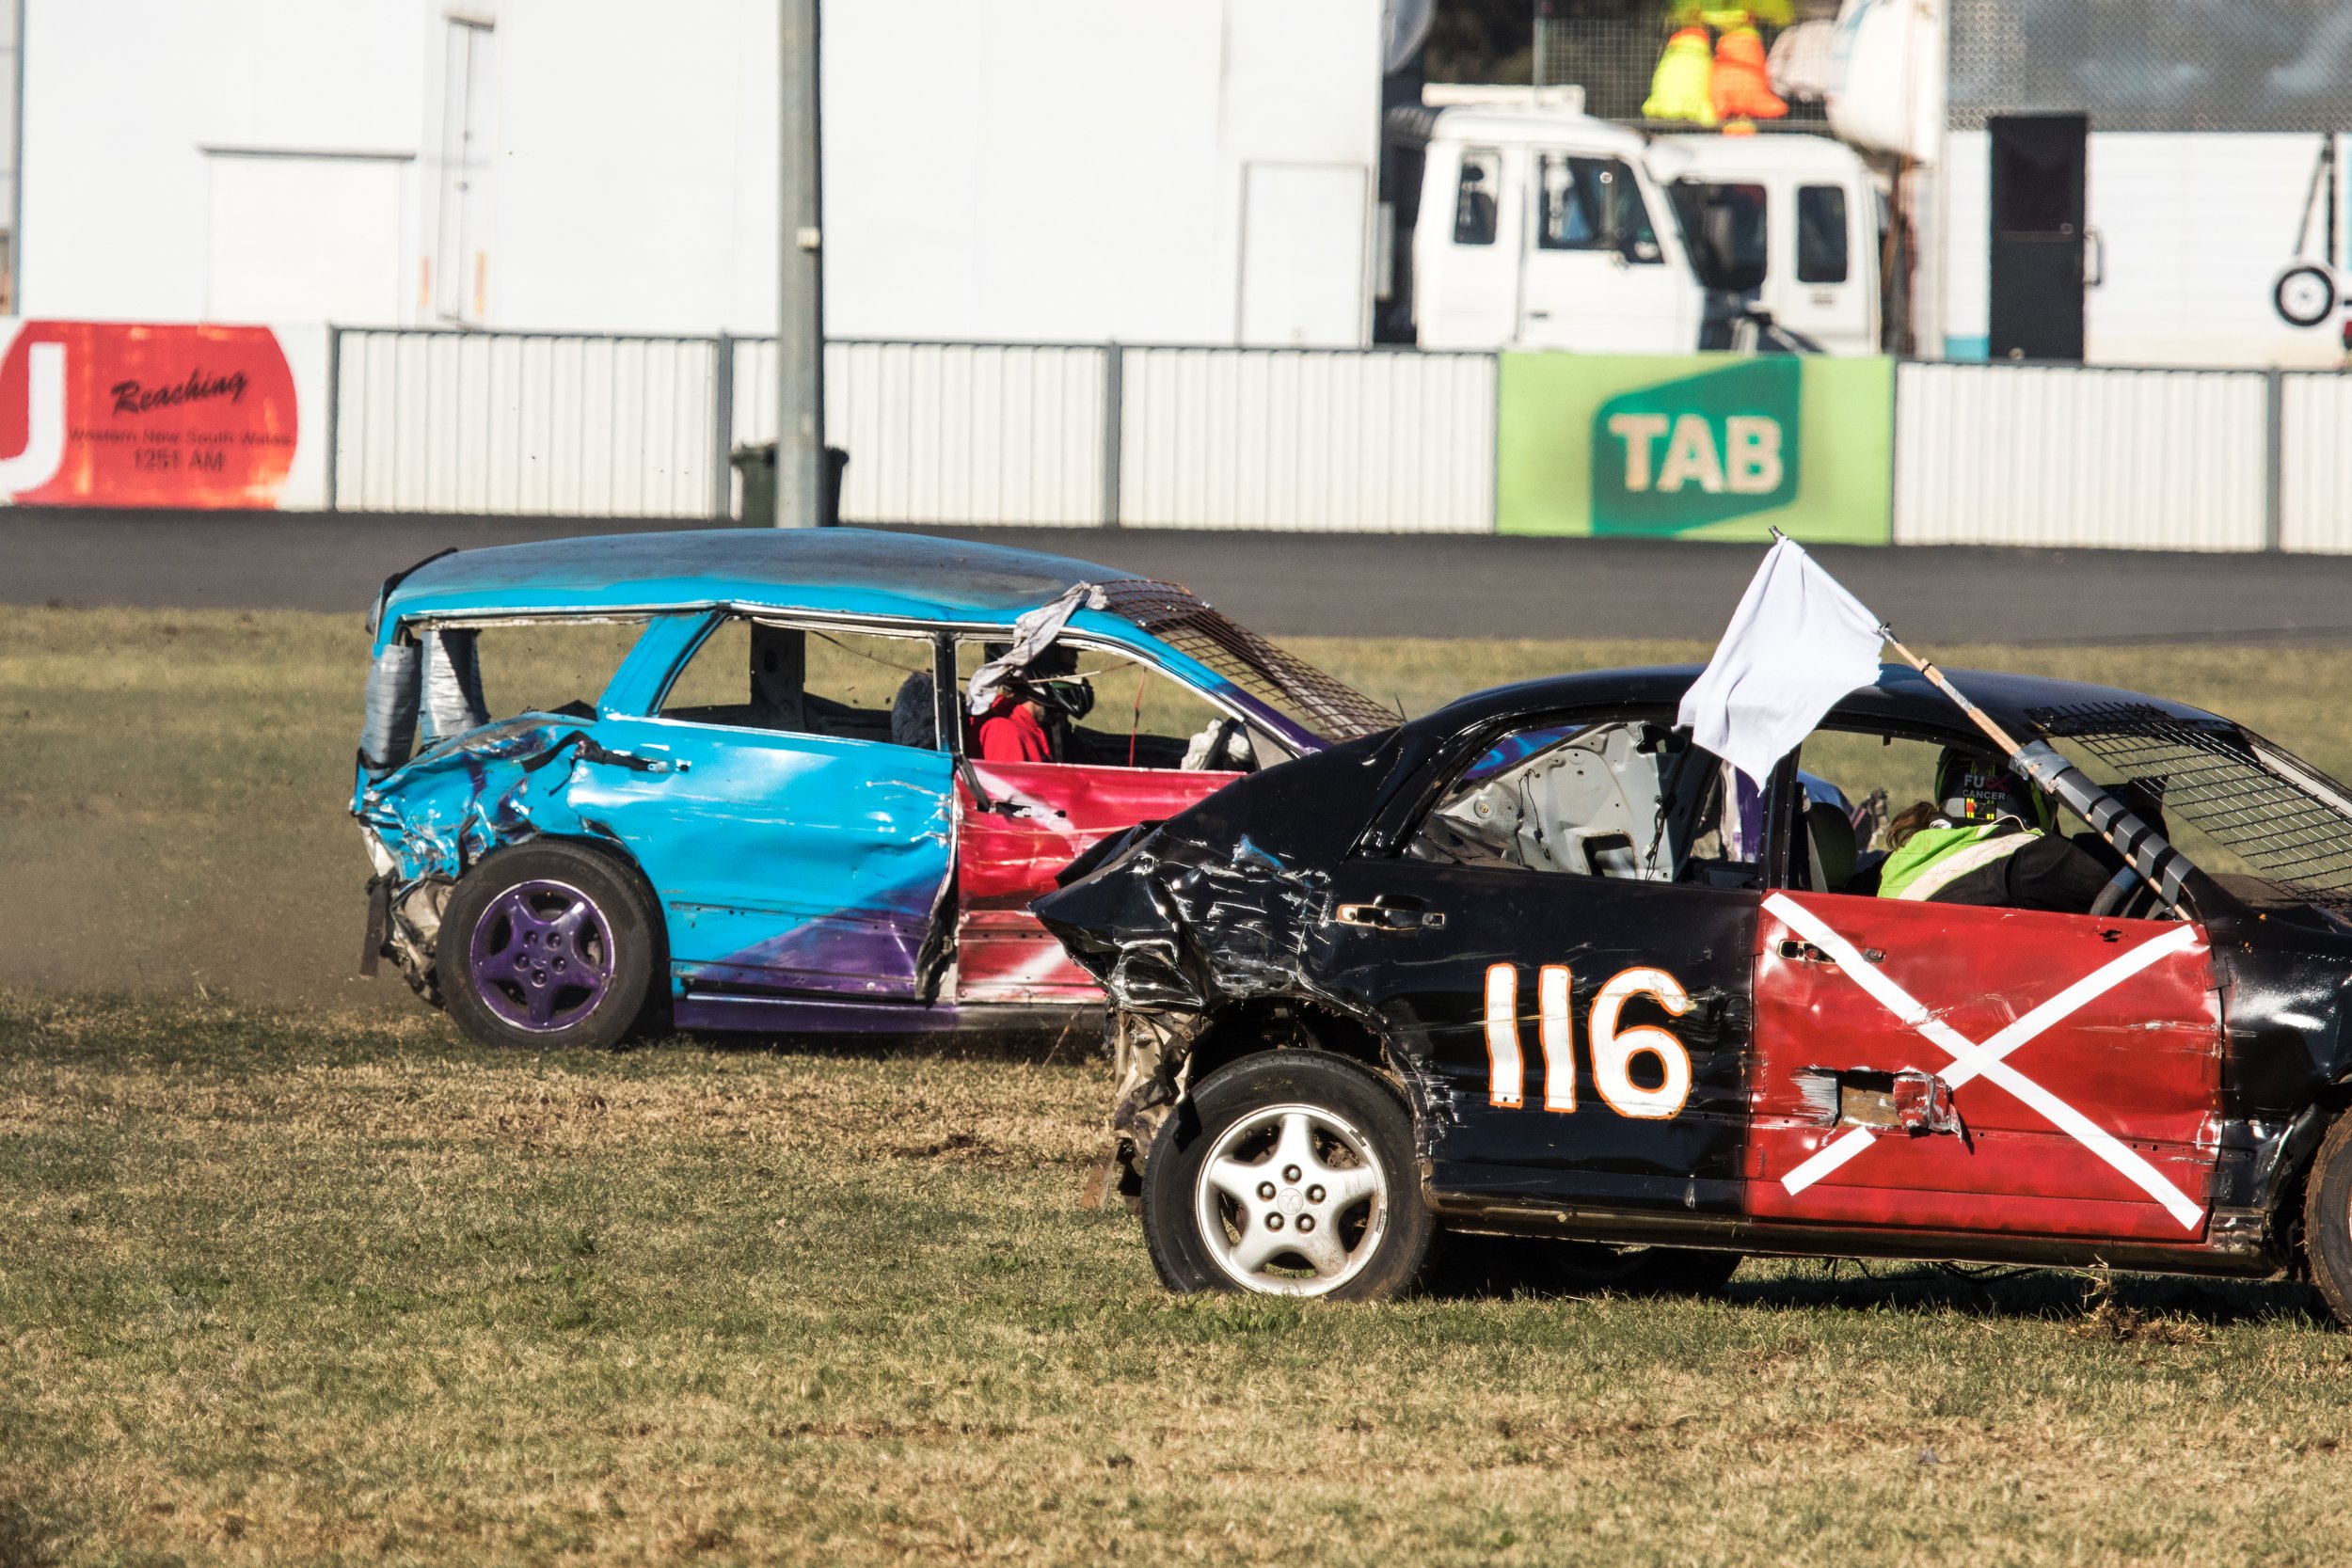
(794, 844)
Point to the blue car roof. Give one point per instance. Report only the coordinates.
(845, 570)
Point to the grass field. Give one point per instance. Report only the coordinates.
(289, 1273)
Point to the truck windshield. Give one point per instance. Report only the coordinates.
(1592, 204)
(1724, 226)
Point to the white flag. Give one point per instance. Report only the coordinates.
(1797, 643)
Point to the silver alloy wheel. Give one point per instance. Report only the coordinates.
(1292, 1200)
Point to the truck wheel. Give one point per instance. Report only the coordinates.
(549, 945)
(1291, 1174)
(2328, 1219)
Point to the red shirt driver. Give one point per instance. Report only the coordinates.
(1009, 731)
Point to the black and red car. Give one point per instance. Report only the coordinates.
(1535, 966)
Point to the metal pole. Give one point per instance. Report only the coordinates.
(722, 430)
(800, 325)
(1542, 42)
(1114, 421)
(2274, 456)
(334, 411)
(15, 303)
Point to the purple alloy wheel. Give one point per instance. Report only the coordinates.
(542, 956)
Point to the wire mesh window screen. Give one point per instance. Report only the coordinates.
(2288, 822)
(1287, 684)
(2153, 65)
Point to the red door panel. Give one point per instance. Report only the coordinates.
(2096, 1121)
(1047, 814)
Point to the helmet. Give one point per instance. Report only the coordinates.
(1971, 787)
(1073, 698)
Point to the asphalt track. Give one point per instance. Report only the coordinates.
(1286, 584)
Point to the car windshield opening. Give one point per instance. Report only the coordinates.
(2233, 801)
(1096, 707)
(1291, 687)
(1631, 800)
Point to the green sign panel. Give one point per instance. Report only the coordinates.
(1703, 445)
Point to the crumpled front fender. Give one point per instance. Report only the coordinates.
(475, 793)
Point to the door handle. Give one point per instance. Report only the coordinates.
(1805, 952)
(591, 752)
(1380, 916)
(586, 749)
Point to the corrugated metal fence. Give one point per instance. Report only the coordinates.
(1401, 442)
(2001, 455)
(938, 432)
(522, 422)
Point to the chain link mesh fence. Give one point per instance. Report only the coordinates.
(2153, 64)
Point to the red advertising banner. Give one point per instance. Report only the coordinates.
(113, 414)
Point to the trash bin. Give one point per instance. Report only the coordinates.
(757, 464)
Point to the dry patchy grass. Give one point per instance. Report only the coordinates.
(332, 1288)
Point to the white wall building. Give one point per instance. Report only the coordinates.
(1036, 169)
(2189, 233)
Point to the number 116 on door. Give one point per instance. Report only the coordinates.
(1614, 1049)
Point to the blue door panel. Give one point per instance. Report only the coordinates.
(782, 861)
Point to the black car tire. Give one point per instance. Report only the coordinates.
(1498, 1265)
(508, 982)
(2328, 1219)
(1246, 1113)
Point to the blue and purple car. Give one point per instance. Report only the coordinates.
(740, 789)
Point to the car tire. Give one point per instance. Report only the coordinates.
(2328, 1219)
(1498, 1265)
(550, 944)
(1289, 1173)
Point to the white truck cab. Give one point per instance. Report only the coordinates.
(1788, 222)
(1542, 228)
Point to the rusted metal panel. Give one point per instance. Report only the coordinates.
(2139, 1058)
(1044, 816)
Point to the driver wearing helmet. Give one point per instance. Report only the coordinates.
(1030, 718)
(1989, 840)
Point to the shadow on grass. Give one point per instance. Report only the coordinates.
(2124, 1307)
(33, 1532)
(2127, 1301)
(112, 1026)
(1075, 1042)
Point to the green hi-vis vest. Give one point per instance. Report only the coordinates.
(1933, 857)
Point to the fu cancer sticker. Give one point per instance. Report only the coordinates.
(112, 414)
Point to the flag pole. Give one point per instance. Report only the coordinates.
(1984, 721)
